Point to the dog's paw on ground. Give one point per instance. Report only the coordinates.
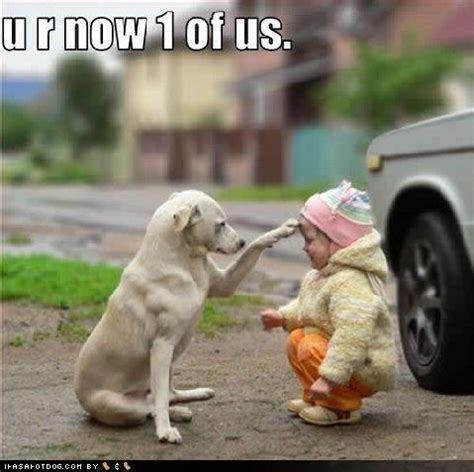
(180, 414)
(206, 393)
(170, 435)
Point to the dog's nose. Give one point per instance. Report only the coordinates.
(241, 243)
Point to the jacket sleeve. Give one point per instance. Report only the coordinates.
(352, 312)
(289, 312)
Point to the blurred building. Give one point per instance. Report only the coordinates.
(275, 88)
(172, 101)
(456, 31)
(245, 117)
(181, 122)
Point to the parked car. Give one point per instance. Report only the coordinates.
(422, 186)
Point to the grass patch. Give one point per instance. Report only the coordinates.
(17, 341)
(108, 439)
(41, 335)
(216, 315)
(84, 289)
(74, 331)
(61, 447)
(93, 312)
(269, 193)
(15, 172)
(288, 193)
(213, 320)
(78, 286)
(239, 300)
(69, 172)
(57, 451)
(18, 239)
(56, 282)
(25, 171)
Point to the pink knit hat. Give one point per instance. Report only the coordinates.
(342, 213)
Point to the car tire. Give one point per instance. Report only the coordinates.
(435, 305)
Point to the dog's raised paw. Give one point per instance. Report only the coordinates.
(292, 222)
(289, 227)
(272, 237)
(284, 231)
(170, 435)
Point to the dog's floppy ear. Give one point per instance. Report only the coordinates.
(187, 215)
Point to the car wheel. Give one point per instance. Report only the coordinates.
(435, 305)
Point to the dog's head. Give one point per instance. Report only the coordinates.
(202, 223)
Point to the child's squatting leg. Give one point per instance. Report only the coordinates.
(305, 354)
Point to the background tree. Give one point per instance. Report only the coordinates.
(86, 108)
(18, 125)
(385, 88)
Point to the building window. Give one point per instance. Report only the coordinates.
(259, 105)
(260, 8)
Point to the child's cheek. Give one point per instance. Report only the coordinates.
(313, 252)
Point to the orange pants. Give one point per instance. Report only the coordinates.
(306, 353)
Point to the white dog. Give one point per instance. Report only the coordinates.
(123, 372)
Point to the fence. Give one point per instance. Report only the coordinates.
(258, 156)
(323, 154)
(233, 157)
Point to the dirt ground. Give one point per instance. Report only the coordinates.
(246, 367)
(247, 418)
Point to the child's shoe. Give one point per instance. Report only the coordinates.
(325, 417)
(295, 406)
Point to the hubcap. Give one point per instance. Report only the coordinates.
(423, 310)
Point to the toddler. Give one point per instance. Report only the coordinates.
(341, 338)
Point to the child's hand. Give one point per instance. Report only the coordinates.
(321, 388)
(271, 319)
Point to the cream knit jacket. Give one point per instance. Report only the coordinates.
(345, 302)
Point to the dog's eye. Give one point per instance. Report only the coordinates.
(220, 226)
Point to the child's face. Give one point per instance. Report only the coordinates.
(316, 244)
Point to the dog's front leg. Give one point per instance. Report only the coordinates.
(161, 357)
(224, 283)
(230, 278)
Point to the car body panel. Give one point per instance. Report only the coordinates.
(436, 154)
